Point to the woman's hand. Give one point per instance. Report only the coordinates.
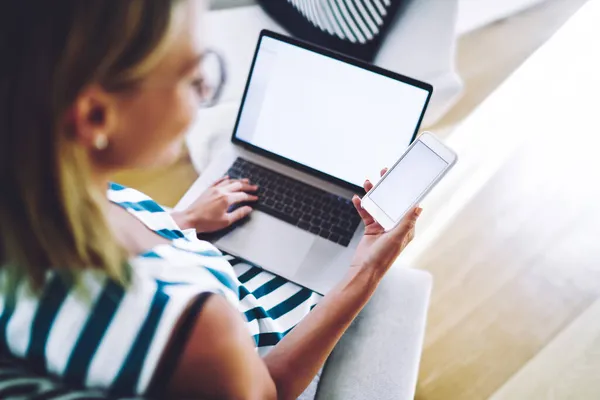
(379, 249)
(211, 211)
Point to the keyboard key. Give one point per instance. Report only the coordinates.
(344, 242)
(304, 225)
(338, 230)
(305, 206)
(324, 234)
(278, 215)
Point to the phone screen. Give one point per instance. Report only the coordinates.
(409, 179)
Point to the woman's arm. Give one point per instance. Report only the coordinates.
(295, 360)
(219, 359)
(298, 357)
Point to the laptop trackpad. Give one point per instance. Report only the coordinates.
(269, 243)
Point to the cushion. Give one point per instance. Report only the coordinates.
(354, 28)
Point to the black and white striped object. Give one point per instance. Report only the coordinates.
(354, 20)
(354, 27)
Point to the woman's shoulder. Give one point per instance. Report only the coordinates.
(92, 331)
(186, 259)
(127, 196)
(156, 217)
(188, 263)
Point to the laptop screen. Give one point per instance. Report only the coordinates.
(328, 115)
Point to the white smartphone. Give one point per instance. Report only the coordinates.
(406, 183)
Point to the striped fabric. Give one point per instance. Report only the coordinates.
(96, 334)
(354, 20)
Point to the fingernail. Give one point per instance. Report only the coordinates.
(418, 211)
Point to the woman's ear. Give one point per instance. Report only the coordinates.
(94, 117)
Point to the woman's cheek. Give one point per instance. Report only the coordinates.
(188, 109)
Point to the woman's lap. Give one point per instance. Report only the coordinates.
(272, 305)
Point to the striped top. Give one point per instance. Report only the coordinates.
(354, 20)
(95, 333)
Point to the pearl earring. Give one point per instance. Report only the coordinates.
(100, 142)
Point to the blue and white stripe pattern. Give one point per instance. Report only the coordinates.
(354, 20)
(97, 334)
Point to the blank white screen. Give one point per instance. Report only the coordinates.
(408, 180)
(331, 116)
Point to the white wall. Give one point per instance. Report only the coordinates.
(473, 14)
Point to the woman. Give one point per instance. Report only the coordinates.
(101, 288)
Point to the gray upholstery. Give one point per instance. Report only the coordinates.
(378, 356)
(219, 4)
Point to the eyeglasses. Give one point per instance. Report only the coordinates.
(214, 76)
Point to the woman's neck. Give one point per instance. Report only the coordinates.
(101, 182)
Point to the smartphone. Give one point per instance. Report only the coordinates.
(404, 185)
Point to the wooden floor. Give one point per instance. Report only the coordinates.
(515, 310)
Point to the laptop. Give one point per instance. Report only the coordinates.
(311, 127)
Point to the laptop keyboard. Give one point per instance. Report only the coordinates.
(327, 215)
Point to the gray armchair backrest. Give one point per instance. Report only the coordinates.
(218, 4)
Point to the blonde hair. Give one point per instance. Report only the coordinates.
(50, 213)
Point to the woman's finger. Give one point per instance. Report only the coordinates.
(364, 215)
(221, 180)
(404, 228)
(240, 185)
(238, 214)
(239, 197)
(368, 185)
(411, 235)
